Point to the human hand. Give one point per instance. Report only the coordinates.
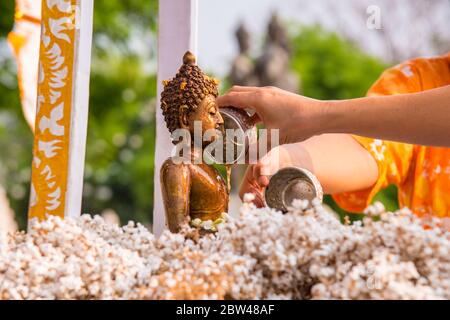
(257, 176)
(296, 117)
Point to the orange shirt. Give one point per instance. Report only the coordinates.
(422, 174)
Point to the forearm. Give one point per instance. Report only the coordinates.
(340, 163)
(417, 118)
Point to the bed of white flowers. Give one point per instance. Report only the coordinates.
(262, 254)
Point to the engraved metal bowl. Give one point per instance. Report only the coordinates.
(236, 119)
(289, 184)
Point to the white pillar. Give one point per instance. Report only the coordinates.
(177, 33)
(80, 108)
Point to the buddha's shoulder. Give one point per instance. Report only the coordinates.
(174, 163)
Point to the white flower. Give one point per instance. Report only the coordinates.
(262, 254)
(249, 197)
(300, 204)
(207, 225)
(196, 222)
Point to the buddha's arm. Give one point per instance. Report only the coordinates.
(175, 188)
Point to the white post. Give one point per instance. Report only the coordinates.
(177, 33)
(79, 114)
(62, 108)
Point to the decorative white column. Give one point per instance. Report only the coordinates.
(62, 108)
(177, 33)
(80, 107)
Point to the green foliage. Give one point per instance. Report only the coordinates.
(15, 136)
(16, 141)
(331, 67)
(119, 19)
(7, 16)
(120, 150)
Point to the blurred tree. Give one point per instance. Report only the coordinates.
(7, 19)
(407, 28)
(120, 150)
(15, 136)
(331, 67)
(402, 23)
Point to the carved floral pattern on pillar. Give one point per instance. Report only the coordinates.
(54, 103)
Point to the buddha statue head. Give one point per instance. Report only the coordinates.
(189, 97)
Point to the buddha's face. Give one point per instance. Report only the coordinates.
(209, 116)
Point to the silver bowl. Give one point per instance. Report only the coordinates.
(289, 184)
(239, 121)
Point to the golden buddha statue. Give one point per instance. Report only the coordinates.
(192, 192)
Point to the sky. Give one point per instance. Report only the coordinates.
(218, 20)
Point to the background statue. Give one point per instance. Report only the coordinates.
(242, 69)
(272, 67)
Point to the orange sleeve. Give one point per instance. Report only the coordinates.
(393, 158)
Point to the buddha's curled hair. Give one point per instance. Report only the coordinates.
(189, 87)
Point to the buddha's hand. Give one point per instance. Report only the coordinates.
(257, 176)
(297, 117)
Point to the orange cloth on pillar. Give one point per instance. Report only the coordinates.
(25, 40)
(422, 174)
